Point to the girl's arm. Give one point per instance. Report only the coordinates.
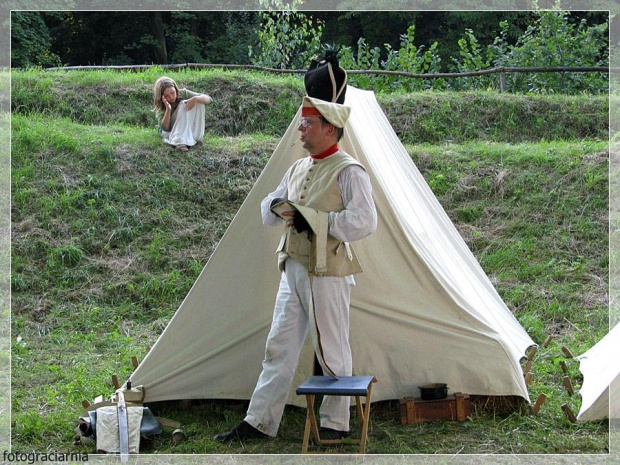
(192, 98)
(165, 121)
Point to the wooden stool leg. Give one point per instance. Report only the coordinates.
(347, 386)
(365, 421)
(360, 412)
(310, 423)
(313, 422)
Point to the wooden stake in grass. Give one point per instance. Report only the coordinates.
(539, 402)
(528, 366)
(568, 385)
(530, 355)
(528, 378)
(567, 352)
(569, 413)
(85, 403)
(116, 382)
(547, 341)
(135, 362)
(564, 367)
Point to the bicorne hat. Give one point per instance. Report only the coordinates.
(325, 79)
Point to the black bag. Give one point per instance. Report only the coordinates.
(148, 427)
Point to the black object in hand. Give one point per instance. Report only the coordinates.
(300, 222)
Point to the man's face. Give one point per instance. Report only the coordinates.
(313, 133)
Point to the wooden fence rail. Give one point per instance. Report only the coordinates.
(500, 70)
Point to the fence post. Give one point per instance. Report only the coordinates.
(502, 81)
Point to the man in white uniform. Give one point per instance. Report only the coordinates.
(329, 205)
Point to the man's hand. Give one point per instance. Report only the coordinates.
(300, 223)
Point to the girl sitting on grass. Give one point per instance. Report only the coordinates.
(180, 113)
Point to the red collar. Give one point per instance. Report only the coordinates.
(330, 151)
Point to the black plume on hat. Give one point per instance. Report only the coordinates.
(325, 79)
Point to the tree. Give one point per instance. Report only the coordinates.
(286, 38)
(31, 41)
(157, 28)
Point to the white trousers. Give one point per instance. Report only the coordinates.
(189, 126)
(289, 329)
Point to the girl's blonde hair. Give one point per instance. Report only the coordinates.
(160, 86)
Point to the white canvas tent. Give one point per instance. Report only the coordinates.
(423, 311)
(600, 391)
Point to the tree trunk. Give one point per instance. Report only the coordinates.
(157, 26)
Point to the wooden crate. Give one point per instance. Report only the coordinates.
(455, 407)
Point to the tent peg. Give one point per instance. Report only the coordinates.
(539, 402)
(567, 352)
(568, 385)
(571, 416)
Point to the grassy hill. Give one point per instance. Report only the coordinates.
(110, 229)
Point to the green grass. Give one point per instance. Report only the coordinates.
(251, 102)
(111, 228)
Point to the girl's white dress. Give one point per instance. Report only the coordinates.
(187, 126)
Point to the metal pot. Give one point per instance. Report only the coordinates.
(433, 391)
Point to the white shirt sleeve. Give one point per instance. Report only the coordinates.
(359, 217)
(281, 192)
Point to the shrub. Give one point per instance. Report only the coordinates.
(286, 39)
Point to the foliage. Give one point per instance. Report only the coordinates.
(187, 46)
(366, 57)
(231, 46)
(458, 41)
(411, 59)
(286, 38)
(408, 58)
(31, 41)
(554, 41)
(473, 57)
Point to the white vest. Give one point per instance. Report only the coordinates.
(314, 184)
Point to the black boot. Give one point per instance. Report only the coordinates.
(329, 434)
(240, 432)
